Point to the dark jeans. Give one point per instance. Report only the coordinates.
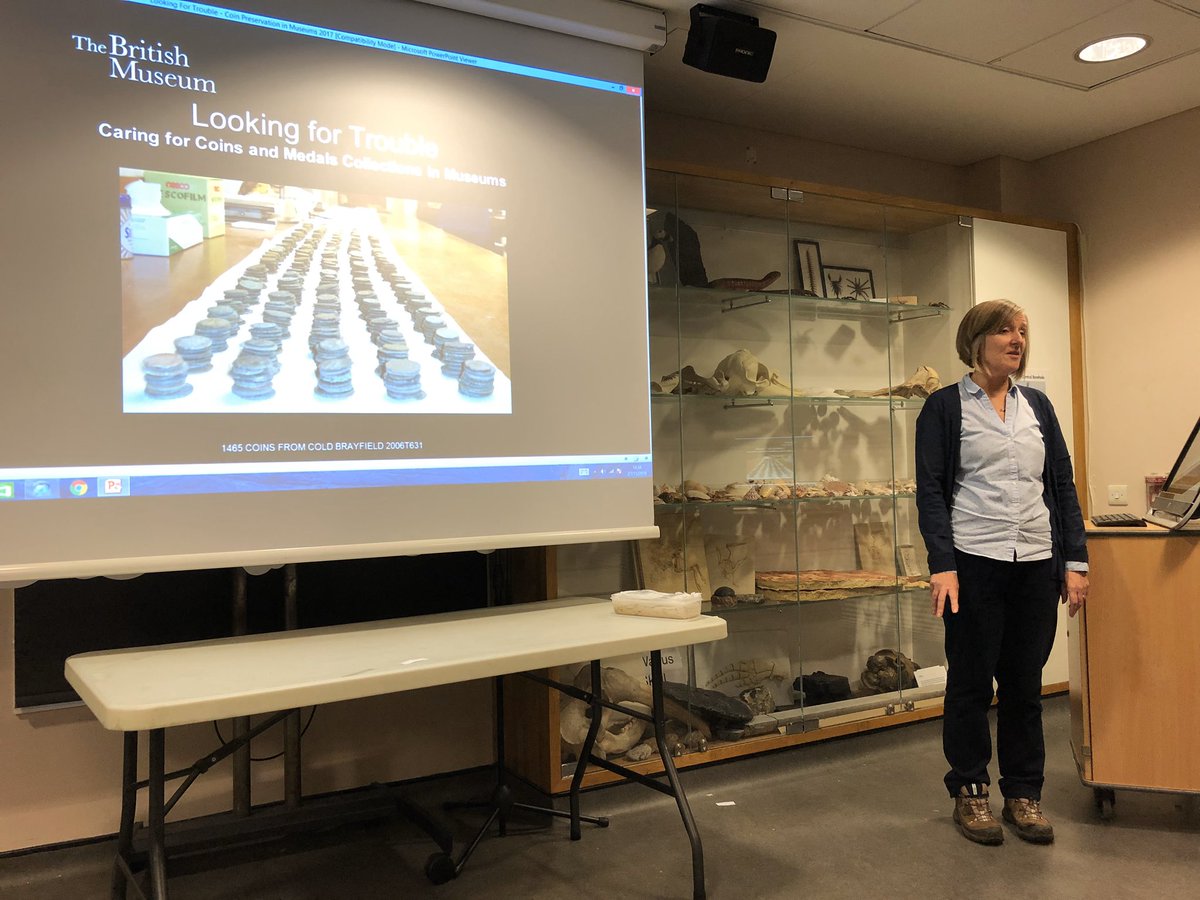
(1004, 629)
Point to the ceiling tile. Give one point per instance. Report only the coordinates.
(982, 30)
(1172, 33)
(859, 15)
(833, 84)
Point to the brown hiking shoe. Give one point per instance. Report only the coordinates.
(1027, 820)
(973, 816)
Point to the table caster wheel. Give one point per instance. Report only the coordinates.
(1106, 799)
(439, 868)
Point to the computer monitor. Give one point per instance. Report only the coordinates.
(1177, 505)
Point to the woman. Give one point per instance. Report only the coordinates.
(997, 508)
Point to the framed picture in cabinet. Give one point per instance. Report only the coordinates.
(668, 565)
(874, 543)
(808, 264)
(848, 283)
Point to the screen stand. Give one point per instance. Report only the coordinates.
(441, 868)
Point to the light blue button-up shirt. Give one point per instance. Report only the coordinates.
(998, 511)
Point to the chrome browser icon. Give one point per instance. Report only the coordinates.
(78, 488)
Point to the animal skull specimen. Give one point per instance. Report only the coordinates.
(618, 734)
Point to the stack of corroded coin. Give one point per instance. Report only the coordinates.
(440, 338)
(279, 309)
(333, 377)
(430, 326)
(454, 356)
(239, 299)
(403, 379)
(420, 312)
(389, 350)
(293, 283)
(224, 311)
(196, 351)
(263, 349)
(268, 331)
(166, 376)
(477, 378)
(268, 263)
(327, 301)
(252, 376)
(217, 330)
(368, 305)
(378, 324)
(326, 326)
(331, 348)
(326, 354)
(253, 288)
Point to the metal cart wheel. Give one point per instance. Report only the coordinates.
(439, 868)
(1106, 799)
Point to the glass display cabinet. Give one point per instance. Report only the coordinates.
(794, 336)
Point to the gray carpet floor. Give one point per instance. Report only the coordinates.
(859, 817)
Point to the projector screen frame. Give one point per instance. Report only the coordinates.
(148, 100)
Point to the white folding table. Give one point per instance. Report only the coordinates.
(155, 688)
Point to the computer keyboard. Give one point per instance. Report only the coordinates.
(1118, 520)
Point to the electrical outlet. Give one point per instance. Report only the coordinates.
(1118, 495)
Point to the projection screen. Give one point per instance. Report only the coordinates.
(292, 281)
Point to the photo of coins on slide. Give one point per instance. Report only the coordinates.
(245, 297)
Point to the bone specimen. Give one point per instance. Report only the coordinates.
(829, 486)
(745, 284)
(921, 383)
(745, 673)
(619, 733)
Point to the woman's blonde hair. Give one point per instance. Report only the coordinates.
(982, 320)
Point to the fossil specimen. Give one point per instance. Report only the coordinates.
(745, 673)
(620, 734)
(923, 382)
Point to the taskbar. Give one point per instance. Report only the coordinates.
(168, 485)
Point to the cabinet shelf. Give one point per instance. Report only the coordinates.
(791, 501)
(751, 401)
(801, 304)
(881, 594)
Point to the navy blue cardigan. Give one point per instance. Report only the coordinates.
(938, 430)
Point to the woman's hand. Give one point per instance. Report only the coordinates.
(943, 585)
(1074, 591)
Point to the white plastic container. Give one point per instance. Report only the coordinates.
(656, 603)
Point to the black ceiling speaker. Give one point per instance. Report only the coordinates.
(728, 43)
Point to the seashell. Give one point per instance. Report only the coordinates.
(752, 495)
(698, 495)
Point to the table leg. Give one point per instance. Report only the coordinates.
(123, 863)
(689, 824)
(585, 752)
(157, 825)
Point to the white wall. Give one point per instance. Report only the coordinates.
(1134, 197)
(734, 148)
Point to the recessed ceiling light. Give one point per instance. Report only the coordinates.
(1112, 48)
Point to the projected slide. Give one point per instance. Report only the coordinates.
(313, 275)
(323, 309)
